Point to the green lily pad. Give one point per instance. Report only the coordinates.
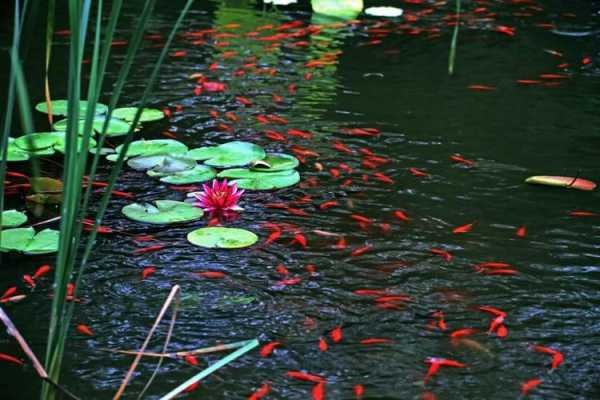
(116, 127)
(60, 107)
(13, 218)
(171, 165)
(34, 142)
(222, 238)
(161, 165)
(254, 180)
(276, 162)
(200, 173)
(232, 154)
(15, 153)
(165, 212)
(61, 143)
(128, 114)
(151, 148)
(27, 241)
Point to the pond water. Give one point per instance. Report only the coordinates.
(392, 76)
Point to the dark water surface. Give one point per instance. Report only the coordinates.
(390, 76)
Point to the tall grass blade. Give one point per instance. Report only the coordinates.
(452, 56)
(204, 373)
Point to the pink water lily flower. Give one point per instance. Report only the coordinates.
(220, 196)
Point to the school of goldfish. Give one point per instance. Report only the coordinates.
(343, 159)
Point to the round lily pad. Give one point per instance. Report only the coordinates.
(128, 114)
(61, 142)
(27, 241)
(116, 127)
(13, 218)
(276, 162)
(222, 238)
(170, 165)
(34, 142)
(15, 153)
(164, 212)
(60, 107)
(254, 180)
(200, 173)
(232, 154)
(151, 148)
(161, 164)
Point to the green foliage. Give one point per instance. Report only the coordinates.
(163, 212)
(222, 238)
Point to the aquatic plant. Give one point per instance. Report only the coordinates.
(452, 55)
(218, 197)
(82, 119)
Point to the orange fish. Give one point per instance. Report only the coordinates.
(370, 292)
(494, 264)
(9, 358)
(289, 282)
(260, 392)
(323, 346)
(557, 356)
(500, 272)
(147, 272)
(417, 172)
(211, 274)
(300, 239)
(29, 281)
(482, 88)
(268, 348)
(84, 330)
(359, 390)
(190, 359)
(318, 391)
(9, 292)
(436, 363)
(460, 159)
(328, 204)
(148, 249)
(192, 387)
(41, 271)
(306, 377)
(526, 387)
(583, 214)
(463, 228)
(273, 237)
(393, 298)
(341, 243)
(361, 250)
(244, 101)
(281, 269)
(521, 231)
(401, 216)
(361, 218)
(376, 341)
(383, 178)
(459, 333)
(442, 253)
(336, 334)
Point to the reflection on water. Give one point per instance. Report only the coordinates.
(328, 79)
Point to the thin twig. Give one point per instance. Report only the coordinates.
(12, 330)
(204, 373)
(180, 354)
(161, 314)
(166, 344)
